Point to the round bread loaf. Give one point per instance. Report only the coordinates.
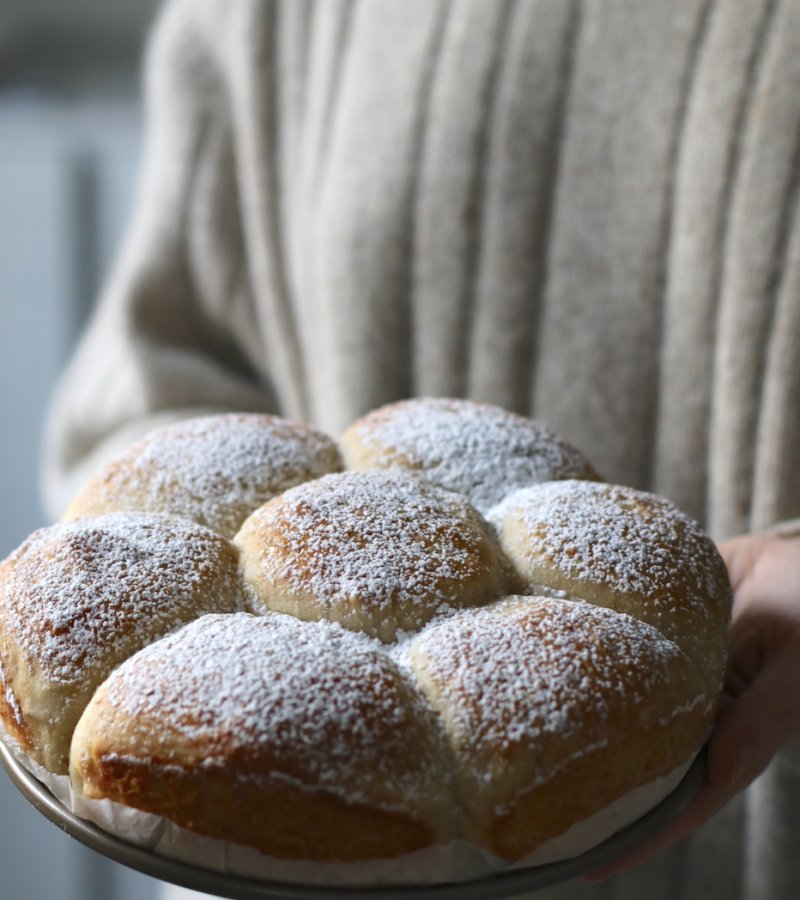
(626, 550)
(482, 452)
(298, 738)
(378, 552)
(79, 598)
(388, 695)
(554, 709)
(213, 470)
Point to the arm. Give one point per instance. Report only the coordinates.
(176, 332)
(761, 710)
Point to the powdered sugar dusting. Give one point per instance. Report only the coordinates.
(74, 591)
(376, 539)
(326, 706)
(520, 670)
(628, 550)
(481, 451)
(331, 709)
(604, 534)
(215, 470)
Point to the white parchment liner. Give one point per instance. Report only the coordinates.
(457, 861)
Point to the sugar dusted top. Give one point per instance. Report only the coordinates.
(627, 550)
(315, 703)
(519, 688)
(376, 550)
(481, 451)
(74, 591)
(522, 672)
(214, 470)
(629, 540)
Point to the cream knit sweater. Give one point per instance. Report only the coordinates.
(584, 210)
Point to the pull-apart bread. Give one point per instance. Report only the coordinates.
(214, 470)
(79, 598)
(466, 636)
(480, 451)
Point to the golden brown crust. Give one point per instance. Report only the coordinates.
(279, 820)
(587, 785)
(379, 552)
(554, 709)
(78, 598)
(480, 451)
(318, 730)
(213, 470)
(626, 550)
(11, 714)
(504, 721)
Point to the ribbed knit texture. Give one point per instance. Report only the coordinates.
(583, 210)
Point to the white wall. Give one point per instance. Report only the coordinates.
(67, 176)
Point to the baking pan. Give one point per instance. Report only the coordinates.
(504, 884)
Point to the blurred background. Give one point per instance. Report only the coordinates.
(70, 137)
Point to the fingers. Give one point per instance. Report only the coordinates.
(766, 615)
(752, 727)
(740, 554)
(748, 733)
(764, 574)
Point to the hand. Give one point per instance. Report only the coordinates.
(761, 706)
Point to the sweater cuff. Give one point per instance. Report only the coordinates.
(788, 529)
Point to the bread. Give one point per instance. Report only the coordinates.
(213, 470)
(378, 552)
(298, 738)
(79, 598)
(408, 671)
(626, 550)
(536, 745)
(480, 451)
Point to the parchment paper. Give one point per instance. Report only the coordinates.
(457, 861)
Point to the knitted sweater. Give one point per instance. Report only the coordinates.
(582, 210)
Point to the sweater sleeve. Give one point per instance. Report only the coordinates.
(175, 333)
